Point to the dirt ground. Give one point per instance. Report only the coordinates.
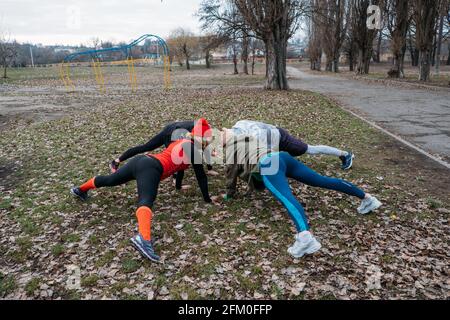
(37, 95)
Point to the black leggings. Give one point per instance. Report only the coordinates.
(145, 170)
(157, 141)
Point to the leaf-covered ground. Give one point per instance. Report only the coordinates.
(233, 250)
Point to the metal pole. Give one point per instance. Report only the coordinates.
(31, 54)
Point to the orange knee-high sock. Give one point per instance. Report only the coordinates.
(88, 185)
(144, 217)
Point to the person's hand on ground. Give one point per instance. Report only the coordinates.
(215, 200)
(212, 173)
(114, 165)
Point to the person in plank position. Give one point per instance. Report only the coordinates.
(149, 170)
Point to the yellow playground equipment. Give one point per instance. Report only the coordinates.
(96, 63)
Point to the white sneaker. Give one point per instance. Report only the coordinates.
(369, 204)
(305, 243)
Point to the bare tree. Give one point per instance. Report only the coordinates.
(444, 11)
(381, 34)
(8, 52)
(363, 36)
(448, 33)
(424, 15)
(234, 53)
(256, 46)
(208, 43)
(274, 22)
(398, 18)
(244, 53)
(332, 17)
(96, 43)
(411, 44)
(349, 45)
(183, 43)
(221, 17)
(315, 35)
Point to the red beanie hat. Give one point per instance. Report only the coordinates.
(202, 129)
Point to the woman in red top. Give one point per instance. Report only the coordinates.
(148, 170)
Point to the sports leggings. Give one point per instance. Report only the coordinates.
(145, 170)
(275, 179)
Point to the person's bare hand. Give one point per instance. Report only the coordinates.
(215, 200)
(212, 173)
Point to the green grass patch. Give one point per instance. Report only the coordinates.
(7, 285)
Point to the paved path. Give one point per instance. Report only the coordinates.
(420, 116)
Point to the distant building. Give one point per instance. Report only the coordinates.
(64, 49)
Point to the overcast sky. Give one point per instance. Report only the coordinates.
(78, 21)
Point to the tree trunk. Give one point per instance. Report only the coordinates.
(253, 61)
(425, 65)
(335, 62)
(316, 64)
(188, 65)
(351, 60)
(448, 57)
(413, 51)
(235, 62)
(335, 65)
(276, 47)
(244, 55)
(398, 41)
(439, 44)
(4, 71)
(329, 64)
(378, 54)
(170, 63)
(208, 63)
(364, 55)
(402, 62)
(397, 67)
(433, 52)
(415, 57)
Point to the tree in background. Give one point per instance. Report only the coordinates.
(208, 43)
(443, 16)
(8, 52)
(183, 44)
(424, 14)
(398, 18)
(96, 43)
(411, 44)
(349, 47)
(315, 35)
(362, 34)
(256, 46)
(222, 18)
(274, 22)
(381, 34)
(332, 18)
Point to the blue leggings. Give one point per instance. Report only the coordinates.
(275, 179)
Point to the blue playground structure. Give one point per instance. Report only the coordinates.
(96, 56)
